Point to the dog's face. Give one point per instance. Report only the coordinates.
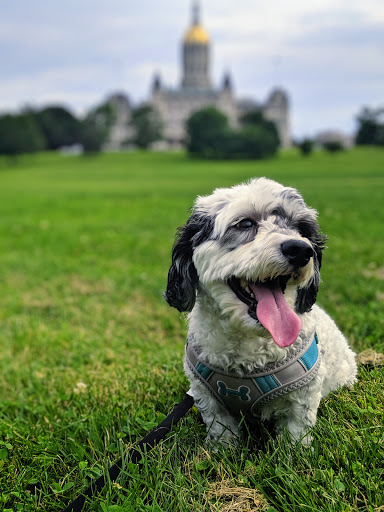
(255, 250)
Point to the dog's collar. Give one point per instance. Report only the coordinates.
(246, 395)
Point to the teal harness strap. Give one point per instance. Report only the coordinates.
(245, 395)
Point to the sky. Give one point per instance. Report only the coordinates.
(327, 54)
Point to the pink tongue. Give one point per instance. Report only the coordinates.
(275, 315)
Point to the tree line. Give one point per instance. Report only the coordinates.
(52, 128)
(209, 134)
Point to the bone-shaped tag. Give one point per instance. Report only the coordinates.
(242, 392)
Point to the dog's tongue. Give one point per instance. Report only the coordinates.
(275, 315)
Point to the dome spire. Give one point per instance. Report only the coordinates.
(196, 13)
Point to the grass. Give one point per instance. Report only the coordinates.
(91, 355)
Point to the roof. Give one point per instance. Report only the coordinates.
(196, 34)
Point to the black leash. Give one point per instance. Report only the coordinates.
(135, 453)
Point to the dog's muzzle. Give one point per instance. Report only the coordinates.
(265, 299)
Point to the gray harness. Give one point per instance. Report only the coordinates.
(246, 395)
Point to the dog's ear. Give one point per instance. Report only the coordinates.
(182, 276)
(306, 297)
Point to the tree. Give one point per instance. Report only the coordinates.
(262, 135)
(95, 127)
(260, 140)
(59, 126)
(256, 118)
(20, 134)
(147, 124)
(209, 136)
(370, 129)
(206, 130)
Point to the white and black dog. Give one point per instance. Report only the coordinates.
(246, 265)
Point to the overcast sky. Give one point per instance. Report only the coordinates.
(327, 54)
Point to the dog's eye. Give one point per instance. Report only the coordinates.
(245, 224)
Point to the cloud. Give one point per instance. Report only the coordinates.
(326, 53)
(70, 85)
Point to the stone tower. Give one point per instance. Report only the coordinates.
(195, 56)
(276, 109)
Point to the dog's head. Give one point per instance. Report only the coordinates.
(255, 249)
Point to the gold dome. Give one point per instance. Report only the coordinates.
(196, 35)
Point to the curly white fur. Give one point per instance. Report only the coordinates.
(243, 232)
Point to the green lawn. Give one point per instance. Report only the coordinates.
(91, 355)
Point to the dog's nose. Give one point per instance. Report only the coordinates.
(297, 252)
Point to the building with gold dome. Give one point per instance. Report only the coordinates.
(175, 105)
(196, 91)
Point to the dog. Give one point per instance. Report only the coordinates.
(246, 266)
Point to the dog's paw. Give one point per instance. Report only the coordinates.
(226, 439)
(294, 436)
(306, 441)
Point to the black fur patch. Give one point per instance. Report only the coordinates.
(280, 212)
(306, 297)
(182, 276)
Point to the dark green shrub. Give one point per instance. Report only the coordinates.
(305, 146)
(333, 146)
(206, 129)
(209, 136)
